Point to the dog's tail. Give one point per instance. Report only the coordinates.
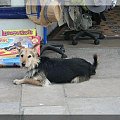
(95, 63)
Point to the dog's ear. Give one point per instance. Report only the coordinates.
(19, 46)
(36, 48)
(36, 45)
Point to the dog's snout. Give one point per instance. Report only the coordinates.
(23, 64)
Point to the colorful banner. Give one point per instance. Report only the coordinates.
(24, 32)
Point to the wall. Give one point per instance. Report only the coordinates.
(6, 24)
(15, 3)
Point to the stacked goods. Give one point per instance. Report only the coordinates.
(43, 12)
(12, 41)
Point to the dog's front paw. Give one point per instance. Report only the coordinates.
(17, 82)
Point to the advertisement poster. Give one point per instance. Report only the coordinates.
(9, 54)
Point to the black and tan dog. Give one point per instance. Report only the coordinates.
(44, 71)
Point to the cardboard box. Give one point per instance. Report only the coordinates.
(9, 55)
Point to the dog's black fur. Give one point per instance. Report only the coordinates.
(65, 70)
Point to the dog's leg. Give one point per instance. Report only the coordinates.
(19, 81)
(27, 81)
(39, 80)
(80, 79)
(75, 80)
(83, 78)
(43, 80)
(46, 82)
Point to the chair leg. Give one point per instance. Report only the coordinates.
(85, 33)
(74, 35)
(74, 42)
(89, 34)
(99, 35)
(68, 33)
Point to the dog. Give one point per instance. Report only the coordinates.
(42, 71)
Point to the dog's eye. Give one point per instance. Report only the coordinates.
(29, 56)
(21, 55)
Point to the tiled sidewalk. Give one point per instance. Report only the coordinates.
(99, 95)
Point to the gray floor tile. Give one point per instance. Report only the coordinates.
(7, 75)
(12, 94)
(35, 96)
(92, 106)
(11, 108)
(94, 88)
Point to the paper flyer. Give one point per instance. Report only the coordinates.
(24, 32)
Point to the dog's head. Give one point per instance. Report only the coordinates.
(28, 57)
